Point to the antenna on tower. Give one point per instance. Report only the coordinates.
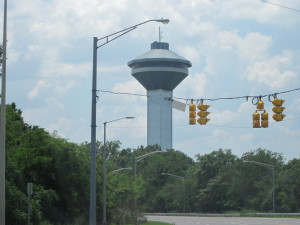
(159, 34)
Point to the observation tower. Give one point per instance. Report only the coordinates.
(160, 71)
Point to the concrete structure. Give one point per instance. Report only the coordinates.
(160, 71)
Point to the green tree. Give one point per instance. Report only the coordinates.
(217, 181)
(257, 180)
(288, 193)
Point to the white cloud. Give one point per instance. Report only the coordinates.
(55, 104)
(252, 46)
(58, 87)
(190, 53)
(58, 70)
(192, 85)
(217, 133)
(131, 87)
(223, 118)
(273, 72)
(63, 125)
(41, 85)
(259, 11)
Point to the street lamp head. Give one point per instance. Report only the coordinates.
(164, 21)
(129, 117)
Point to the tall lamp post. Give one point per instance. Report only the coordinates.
(3, 120)
(182, 178)
(137, 159)
(107, 39)
(272, 168)
(104, 222)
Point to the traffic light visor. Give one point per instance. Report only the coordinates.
(278, 109)
(202, 107)
(278, 102)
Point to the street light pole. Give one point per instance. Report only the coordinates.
(3, 120)
(104, 222)
(113, 36)
(182, 178)
(272, 168)
(137, 159)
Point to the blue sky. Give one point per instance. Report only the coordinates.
(237, 48)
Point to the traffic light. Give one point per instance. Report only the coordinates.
(278, 109)
(260, 120)
(256, 120)
(264, 119)
(203, 114)
(192, 114)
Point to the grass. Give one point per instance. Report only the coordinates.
(157, 223)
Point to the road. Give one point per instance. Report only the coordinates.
(182, 220)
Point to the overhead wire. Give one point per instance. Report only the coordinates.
(238, 97)
(122, 93)
(282, 6)
(210, 99)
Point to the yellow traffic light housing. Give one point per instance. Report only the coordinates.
(264, 119)
(278, 109)
(192, 114)
(203, 114)
(256, 120)
(260, 105)
(260, 120)
(278, 117)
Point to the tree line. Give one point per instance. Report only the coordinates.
(217, 182)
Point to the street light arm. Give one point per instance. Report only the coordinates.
(259, 163)
(127, 117)
(126, 30)
(118, 170)
(146, 155)
(107, 37)
(272, 168)
(173, 175)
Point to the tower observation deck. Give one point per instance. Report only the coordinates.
(160, 71)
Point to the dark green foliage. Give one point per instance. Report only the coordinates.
(59, 170)
(288, 191)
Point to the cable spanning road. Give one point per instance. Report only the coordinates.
(183, 220)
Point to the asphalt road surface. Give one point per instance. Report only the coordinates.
(183, 220)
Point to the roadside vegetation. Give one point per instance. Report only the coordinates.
(213, 183)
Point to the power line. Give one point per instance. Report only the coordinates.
(282, 6)
(254, 97)
(239, 97)
(122, 93)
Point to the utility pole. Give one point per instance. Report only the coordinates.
(3, 121)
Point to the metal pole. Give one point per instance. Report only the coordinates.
(3, 121)
(92, 219)
(105, 158)
(104, 176)
(93, 139)
(135, 185)
(183, 179)
(29, 192)
(183, 195)
(28, 210)
(273, 193)
(272, 168)
(137, 159)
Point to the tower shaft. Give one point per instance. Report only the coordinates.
(159, 119)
